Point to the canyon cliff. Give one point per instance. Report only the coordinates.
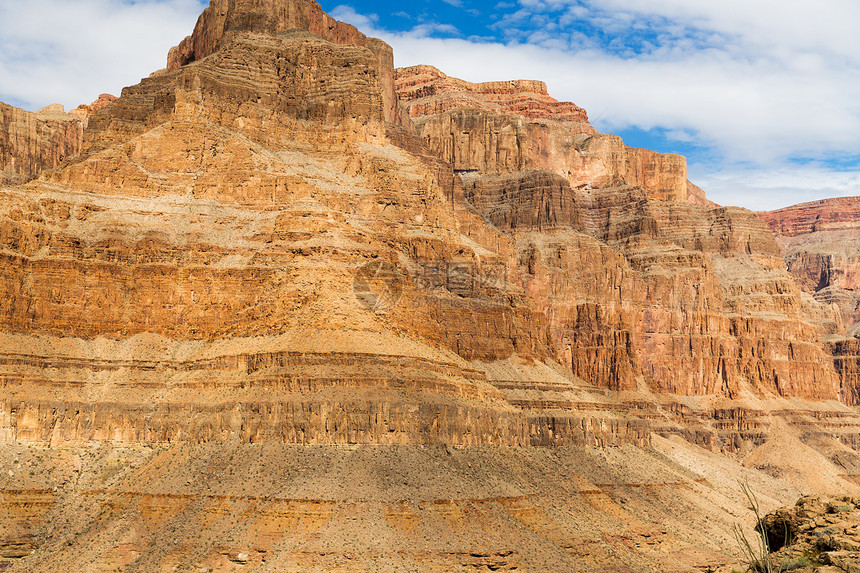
(821, 245)
(32, 142)
(280, 300)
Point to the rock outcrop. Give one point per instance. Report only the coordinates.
(818, 534)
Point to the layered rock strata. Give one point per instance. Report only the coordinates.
(224, 207)
(820, 242)
(821, 245)
(31, 142)
(690, 299)
(500, 127)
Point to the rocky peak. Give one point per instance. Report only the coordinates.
(427, 91)
(224, 20)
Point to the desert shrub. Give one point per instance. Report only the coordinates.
(796, 563)
(757, 552)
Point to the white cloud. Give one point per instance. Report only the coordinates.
(348, 14)
(70, 51)
(774, 188)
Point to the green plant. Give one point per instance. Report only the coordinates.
(796, 563)
(757, 553)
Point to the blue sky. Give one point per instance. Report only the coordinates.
(762, 96)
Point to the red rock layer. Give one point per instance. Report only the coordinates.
(806, 218)
(821, 246)
(427, 91)
(500, 127)
(31, 142)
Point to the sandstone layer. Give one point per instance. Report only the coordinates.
(277, 316)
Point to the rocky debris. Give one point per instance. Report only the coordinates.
(819, 534)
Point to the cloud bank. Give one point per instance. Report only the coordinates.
(70, 51)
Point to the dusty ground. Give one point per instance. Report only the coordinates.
(241, 507)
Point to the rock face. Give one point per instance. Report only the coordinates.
(820, 242)
(31, 142)
(502, 127)
(274, 302)
(821, 245)
(224, 19)
(694, 289)
(821, 533)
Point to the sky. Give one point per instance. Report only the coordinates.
(761, 96)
